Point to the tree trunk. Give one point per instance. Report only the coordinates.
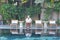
(30, 2)
(39, 16)
(58, 15)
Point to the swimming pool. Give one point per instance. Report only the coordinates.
(22, 37)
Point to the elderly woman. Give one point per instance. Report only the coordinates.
(28, 21)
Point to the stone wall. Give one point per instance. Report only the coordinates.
(54, 15)
(59, 15)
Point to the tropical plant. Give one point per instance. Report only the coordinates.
(21, 12)
(16, 12)
(10, 1)
(48, 14)
(4, 11)
(58, 22)
(10, 11)
(54, 5)
(24, 1)
(49, 3)
(57, 8)
(33, 10)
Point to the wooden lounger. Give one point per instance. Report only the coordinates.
(52, 24)
(38, 24)
(14, 24)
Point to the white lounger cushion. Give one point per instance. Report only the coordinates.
(14, 21)
(52, 22)
(38, 21)
(51, 32)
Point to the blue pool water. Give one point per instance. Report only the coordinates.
(18, 37)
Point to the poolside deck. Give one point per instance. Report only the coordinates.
(33, 27)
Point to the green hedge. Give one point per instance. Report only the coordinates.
(10, 11)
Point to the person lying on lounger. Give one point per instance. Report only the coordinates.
(28, 21)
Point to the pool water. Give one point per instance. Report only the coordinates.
(18, 37)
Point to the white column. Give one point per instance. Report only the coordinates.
(21, 26)
(45, 26)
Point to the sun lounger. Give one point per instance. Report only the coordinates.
(52, 24)
(14, 24)
(38, 24)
